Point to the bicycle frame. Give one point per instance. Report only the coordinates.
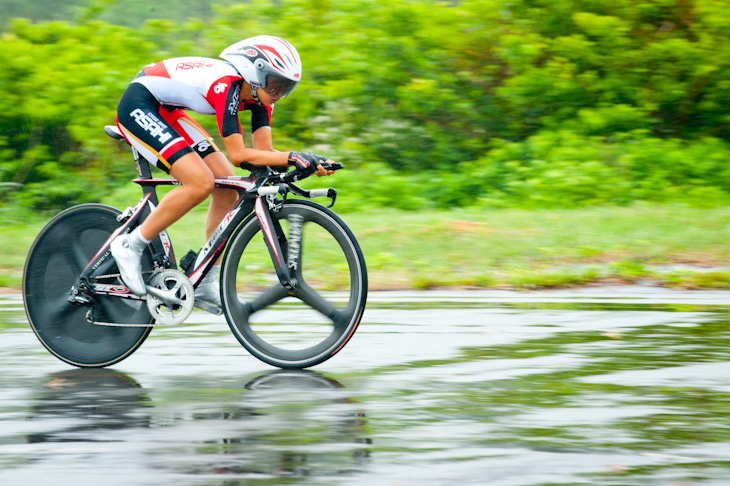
(316, 260)
(253, 195)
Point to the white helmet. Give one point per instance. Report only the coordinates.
(266, 62)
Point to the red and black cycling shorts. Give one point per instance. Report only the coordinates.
(160, 134)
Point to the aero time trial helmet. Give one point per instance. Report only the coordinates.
(266, 62)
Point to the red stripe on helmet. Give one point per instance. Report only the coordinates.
(275, 53)
(293, 56)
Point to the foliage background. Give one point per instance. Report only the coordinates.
(487, 103)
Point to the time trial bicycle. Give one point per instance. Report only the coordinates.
(277, 251)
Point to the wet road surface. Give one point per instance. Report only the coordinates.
(611, 386)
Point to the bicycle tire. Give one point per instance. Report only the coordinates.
(56, 259)
(325, 332)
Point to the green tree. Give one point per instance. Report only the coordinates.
(526, 102)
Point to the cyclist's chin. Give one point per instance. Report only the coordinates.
(266, 99)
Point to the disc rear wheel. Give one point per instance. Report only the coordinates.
(58, 256)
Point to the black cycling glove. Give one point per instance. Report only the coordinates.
(306, 162)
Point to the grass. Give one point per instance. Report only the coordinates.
(507, 248)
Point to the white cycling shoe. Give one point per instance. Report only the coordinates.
(209, 289)
(129, 262)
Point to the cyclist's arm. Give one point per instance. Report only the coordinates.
(262, 140)
(261, 126)
(227, 102)
(239, 153)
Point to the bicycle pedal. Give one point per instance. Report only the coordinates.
(208, 307)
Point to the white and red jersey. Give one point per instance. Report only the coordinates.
(203, 85)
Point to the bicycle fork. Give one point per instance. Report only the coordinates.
(282, 256)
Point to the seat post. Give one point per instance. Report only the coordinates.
(143, 167)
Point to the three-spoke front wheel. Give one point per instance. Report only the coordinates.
(322, 313)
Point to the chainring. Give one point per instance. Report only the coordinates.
(173, 298)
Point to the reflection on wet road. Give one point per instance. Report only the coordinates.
(615, 386)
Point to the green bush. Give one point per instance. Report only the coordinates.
(435, 104)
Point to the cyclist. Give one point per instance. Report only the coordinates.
(255, 74)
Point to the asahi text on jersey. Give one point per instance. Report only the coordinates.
(147, 122)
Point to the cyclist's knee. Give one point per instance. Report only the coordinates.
(201, 187)
(197, 180)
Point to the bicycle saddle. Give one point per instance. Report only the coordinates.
(113, 132)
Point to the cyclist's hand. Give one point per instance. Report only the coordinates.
(311, 163)
(305, 162)
(323, 169)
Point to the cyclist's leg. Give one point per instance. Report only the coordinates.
(222, 200)
(158, 136)
(149, 128)
(197, 184)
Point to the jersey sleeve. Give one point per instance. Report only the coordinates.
(224, 97)
(260, 115)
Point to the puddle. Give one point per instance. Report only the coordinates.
(618, 386)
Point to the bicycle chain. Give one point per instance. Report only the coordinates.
(96, 278)
(115, 324)
(201, 305)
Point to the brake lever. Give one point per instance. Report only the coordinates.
(332, 194)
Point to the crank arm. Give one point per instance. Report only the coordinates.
(167, 296)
